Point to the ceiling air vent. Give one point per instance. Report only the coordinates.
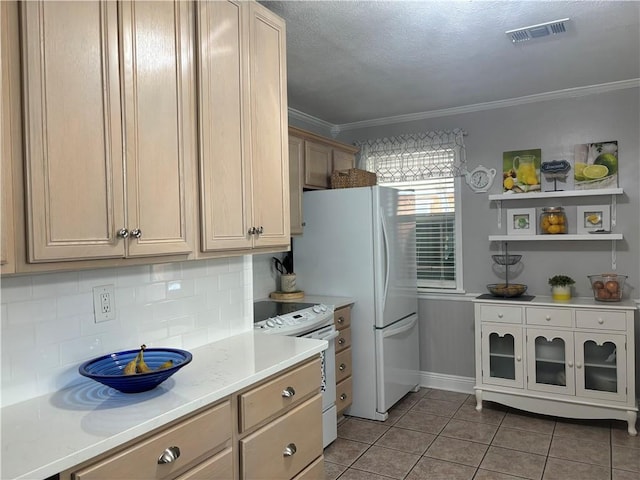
(537, 31)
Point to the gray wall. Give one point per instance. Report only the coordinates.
(447, 325)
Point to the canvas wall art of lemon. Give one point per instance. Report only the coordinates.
(596, 165)
(521, 171)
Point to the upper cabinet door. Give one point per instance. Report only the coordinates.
(225, 167)
(269, 127)
(159, 119)
(343, 160)
(73, 144)
(9, 90)
(317, 165)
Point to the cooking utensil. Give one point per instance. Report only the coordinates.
(279, 266)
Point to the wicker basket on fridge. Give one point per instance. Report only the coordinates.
(353, 177)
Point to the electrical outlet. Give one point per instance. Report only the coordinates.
(104, 306)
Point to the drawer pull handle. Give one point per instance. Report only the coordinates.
(518, 358)
(342, 367)
(290, 450)
(600, 321)
(340, 319)
(170, 455)
(548, 317)
(500, 315)
(341, 341)
(288, 392)
(343, 397)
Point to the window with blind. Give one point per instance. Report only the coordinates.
(432, 174)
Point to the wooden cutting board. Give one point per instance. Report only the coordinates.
(287, 295)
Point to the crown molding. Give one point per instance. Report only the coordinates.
(303, 117)
(510, 102)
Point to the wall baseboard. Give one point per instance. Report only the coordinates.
(443, 381)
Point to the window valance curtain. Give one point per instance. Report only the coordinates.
(414, 157)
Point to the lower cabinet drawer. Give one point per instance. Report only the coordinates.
(495, 313)
(315, 471)
(194, 438)
(282, 392)
(344, 339)
(557, 317)
(344, 394)
(601, 319)
(343, 365)
(283, 448)
(219, 466)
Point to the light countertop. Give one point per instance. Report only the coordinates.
(547, 301)
(337, 302)
(51, 433)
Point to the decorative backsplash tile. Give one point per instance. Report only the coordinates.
(48, 325)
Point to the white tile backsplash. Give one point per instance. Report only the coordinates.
(48, 326)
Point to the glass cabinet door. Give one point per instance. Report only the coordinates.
(601, 366)
(550, 361)
(502, 355)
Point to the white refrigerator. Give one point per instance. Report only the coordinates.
(360, 243)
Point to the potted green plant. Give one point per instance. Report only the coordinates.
(561, 287)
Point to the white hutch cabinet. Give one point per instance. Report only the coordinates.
(573, 359)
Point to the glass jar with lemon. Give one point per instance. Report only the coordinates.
(553, 221)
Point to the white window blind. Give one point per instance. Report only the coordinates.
(428, 165)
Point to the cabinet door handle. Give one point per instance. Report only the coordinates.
(260, 230)
(600, 321)
(342, 367)
(170, 455)
(578, 365)
(341, 341)
(289, 450)
(288, 392)
(123, 233)
(548, 317)
(136, 233)
(340, 319)
(518, 358)
(252, 231)
(343, 396)
(570, 364)
(500, 315)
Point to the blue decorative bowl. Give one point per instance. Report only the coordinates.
(109, 369)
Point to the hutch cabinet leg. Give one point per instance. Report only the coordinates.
(631, 422)
(479, 400)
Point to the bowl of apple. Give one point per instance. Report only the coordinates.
(607, 287)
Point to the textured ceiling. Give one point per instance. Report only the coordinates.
(354, 61)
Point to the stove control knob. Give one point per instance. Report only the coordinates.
(270, 323)
(279, 321)
(316, 309)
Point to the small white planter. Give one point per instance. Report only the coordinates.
(561, 292)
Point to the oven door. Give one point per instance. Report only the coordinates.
(328, 388)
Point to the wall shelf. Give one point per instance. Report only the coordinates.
(613, 237)
(559, 194)
(559, 237)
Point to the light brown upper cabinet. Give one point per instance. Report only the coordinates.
(312, 160)
(9, 135)
(244, 171)
(110, 146)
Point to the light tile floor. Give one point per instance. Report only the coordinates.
(438, 435)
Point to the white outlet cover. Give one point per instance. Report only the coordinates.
(104, 303)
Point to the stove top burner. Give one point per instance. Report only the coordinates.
(269, 309)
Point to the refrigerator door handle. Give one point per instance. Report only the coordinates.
(385, 240)
(391, 332)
